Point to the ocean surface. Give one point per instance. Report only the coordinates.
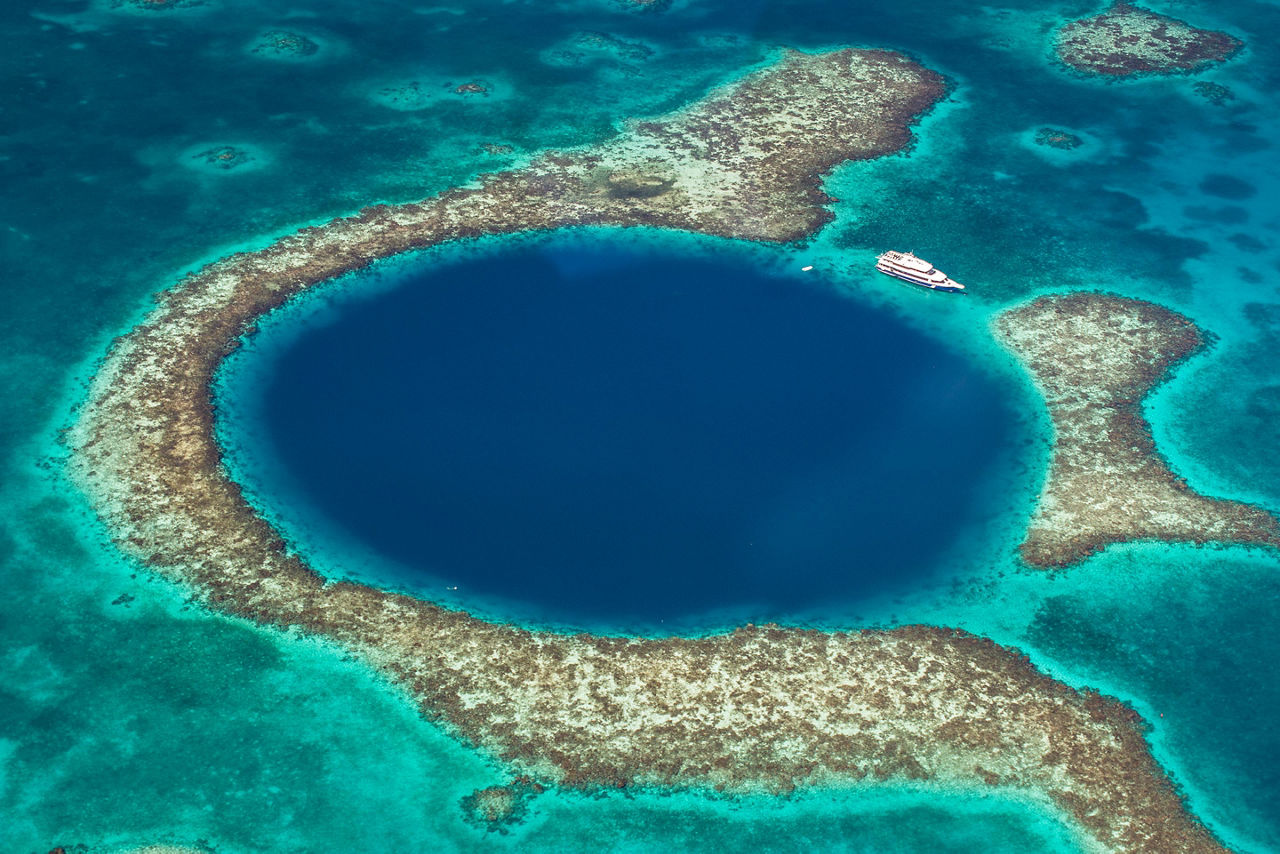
(137, 144)
(611, 437)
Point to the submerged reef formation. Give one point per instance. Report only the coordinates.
(223, 157)
(1057, 138)
(497, 807)
(585, 47)
(644, 5)
(284, 44)
(146, 849)
(417, 95)
(1127, 40)
(406, 96)
(1214, 93)
(762, 708)
(471, 87)
(154, 5)
(1094, 358)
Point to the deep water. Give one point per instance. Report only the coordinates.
(619, 436)
(129, 717)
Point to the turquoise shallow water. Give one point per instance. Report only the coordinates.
(141, 721)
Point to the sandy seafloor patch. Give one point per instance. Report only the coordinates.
(141, 722)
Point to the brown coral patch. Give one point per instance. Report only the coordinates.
(1095, 358)
(1214, 93)
(1057, 138)
(497, 807)
(1127, 40)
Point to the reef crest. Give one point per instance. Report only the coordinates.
(1094, 358)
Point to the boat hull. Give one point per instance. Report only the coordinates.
(948, 285)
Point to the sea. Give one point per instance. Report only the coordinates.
(613, 430)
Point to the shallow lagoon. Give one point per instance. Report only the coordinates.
(604, 433)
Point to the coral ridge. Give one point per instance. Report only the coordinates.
(1095, 358)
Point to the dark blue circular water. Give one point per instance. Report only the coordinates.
(613, 435)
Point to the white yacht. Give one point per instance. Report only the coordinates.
(909, 268)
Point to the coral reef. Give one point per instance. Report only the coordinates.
(223, 157)
(761, 708)
(1094, 358)
(1214, 93)
(416, 95)
(1127, 40)
(639, 182)
(584, 47)
(408, 96)
(1059, 139)
(283, 44)
(644, 5)
(145, 849)
(154, 5)
(497, 807)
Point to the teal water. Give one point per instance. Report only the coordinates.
(123, 724)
